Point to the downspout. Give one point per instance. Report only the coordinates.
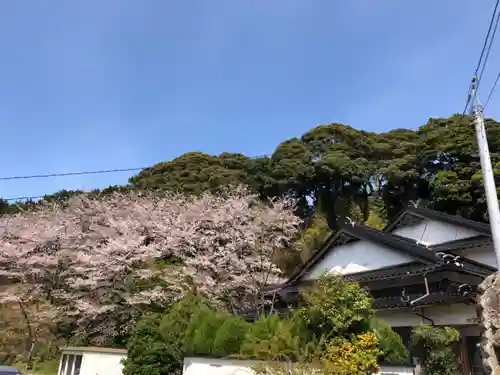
(427, 293)
(421, 315)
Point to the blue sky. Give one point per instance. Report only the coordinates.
(101, 84)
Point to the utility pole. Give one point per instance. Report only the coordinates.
(488, 177)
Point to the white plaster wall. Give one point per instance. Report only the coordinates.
(484, 255)
(457, 314)
(396, 370)
(102, 364)
(430, 232)
(357, 257)
(210, 366)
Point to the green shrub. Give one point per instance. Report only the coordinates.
(271, 338)
(333, 306)
(159, 344)
(391, 344)
(202, 330)
(148, 354)
(436, 347)
(230, 336)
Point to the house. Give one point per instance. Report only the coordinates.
(91, 361)
(424, 267)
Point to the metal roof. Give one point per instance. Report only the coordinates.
(93, 349)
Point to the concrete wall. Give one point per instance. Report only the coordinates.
(211, 366)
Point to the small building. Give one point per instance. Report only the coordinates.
(91, 361)
(424, 267)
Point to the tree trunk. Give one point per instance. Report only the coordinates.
(29, 361)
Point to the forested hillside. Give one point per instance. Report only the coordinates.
(340, 171)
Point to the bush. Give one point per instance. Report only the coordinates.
(329, 330)
(202, 330)
(148, 354)
(230, 336)
(159, 343)
(325, 328)
(333, 306)
(394, 352)
(357, 356)
(271, 338)
(436, 348)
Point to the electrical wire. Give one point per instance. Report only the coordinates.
(492, 90)
(66, 174)
(488, 52)
(48, 175)
(70, 174)
(486, 49)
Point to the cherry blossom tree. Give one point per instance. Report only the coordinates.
(103, 260)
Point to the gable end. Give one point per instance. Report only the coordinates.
(410, 217)
(349, 235)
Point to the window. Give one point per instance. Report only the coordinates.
(70, 364)
(78, 364)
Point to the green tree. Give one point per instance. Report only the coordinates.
(194, 172)
(230, 336)
(437, 349)
(333, 307)
(202, 330)
(190, 326)
(147, 353)
(327, 331)
(271, 338)
(391, 344)
(308, 241)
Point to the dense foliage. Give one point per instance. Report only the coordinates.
(393, 350)
(341, 171)
(437, 349)
(327, 329)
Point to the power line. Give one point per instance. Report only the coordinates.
(492, 90)
(69, 174)
(489, 48)
(66, 174)
(48, 175)
(486, 48)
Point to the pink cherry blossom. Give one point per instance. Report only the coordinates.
(95, 258)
